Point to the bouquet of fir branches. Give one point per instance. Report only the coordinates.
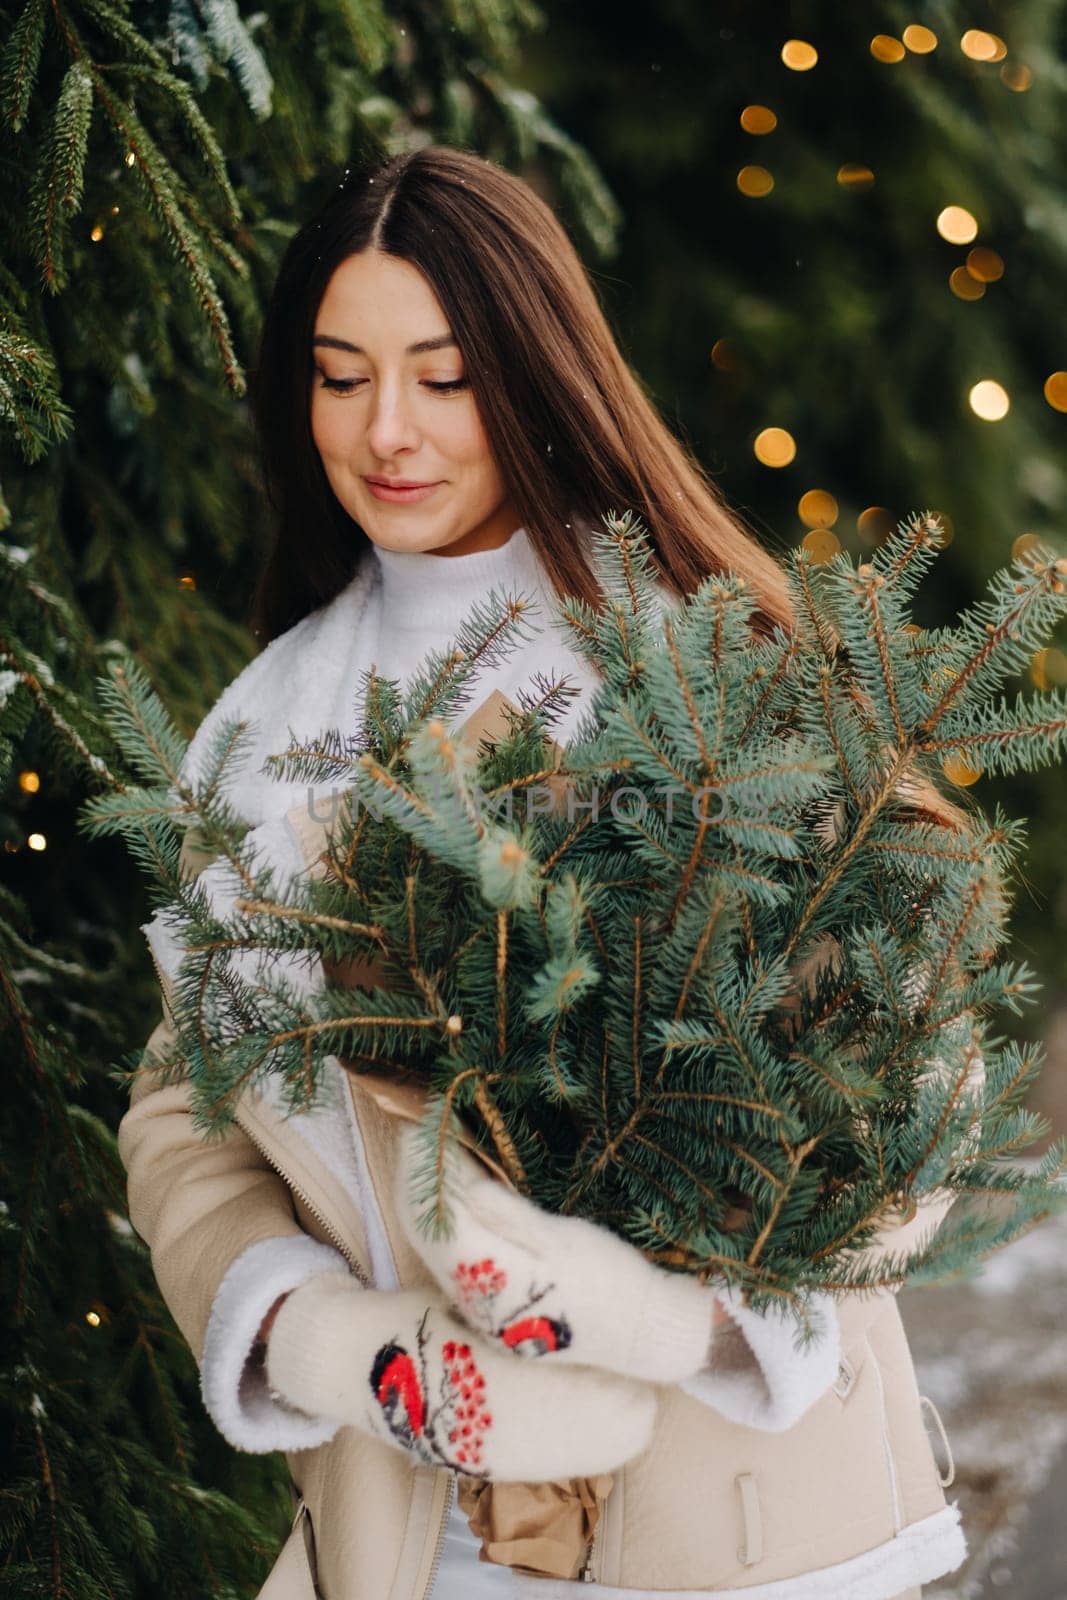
(717, 974)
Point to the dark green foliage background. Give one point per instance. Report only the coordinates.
(126, 467)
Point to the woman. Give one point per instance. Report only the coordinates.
(443, 412)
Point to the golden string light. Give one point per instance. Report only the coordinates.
(724, 355)
(29, 782)
(755, 181)
(853, 175)
(956, 225)
(1025, 545)
(978, 45)
(984, 264)
(758, 119)
(885, 48)
(1015, 76)
(798, 55)
(963, 286)
(774, 447)
(1048, 669)
(920, 41)
(1055, 390)
(817, 508)
(37, 841)
(960, 772)
(875, 524)
(989, 400)
(822, 544)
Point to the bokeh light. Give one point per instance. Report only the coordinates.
(798, 55)
(1048, 669)
(978, 45)
(758, 119)
(854, 175)
(959, 772)
(822, 544)
(875, 524)
(725, 356)
(775, 447)
(885, 48)
(1056, 390)
(1015, 76)
(989, 400)
(956, 225)
(984, 264)
(963, 286)
(919, 40)
(817, 509)
(755, 181)
(1027, 544)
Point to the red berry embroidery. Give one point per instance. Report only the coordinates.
(479, 1278)
(464, 1403)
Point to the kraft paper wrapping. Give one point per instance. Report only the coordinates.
(540, 1528)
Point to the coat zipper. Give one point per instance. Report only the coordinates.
(586, 1574)
(450, 1490)
(323, 1221)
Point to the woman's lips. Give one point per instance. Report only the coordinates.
(400, 497)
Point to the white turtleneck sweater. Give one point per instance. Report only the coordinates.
(422, 599)
(396, 609)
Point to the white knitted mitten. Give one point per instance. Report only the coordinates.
(396, 1364)
(542, 1284)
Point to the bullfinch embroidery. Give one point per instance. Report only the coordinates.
(479, 1285)
(395, 1382)
(400, 1387)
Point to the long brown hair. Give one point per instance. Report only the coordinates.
(570, 424)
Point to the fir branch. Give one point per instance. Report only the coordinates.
(20, 62)
(160, 182)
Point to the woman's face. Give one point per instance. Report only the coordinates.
(384, 409)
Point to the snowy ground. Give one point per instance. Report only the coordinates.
(992, 1356)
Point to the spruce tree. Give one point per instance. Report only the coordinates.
(156, 162)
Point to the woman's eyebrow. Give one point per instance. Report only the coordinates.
(330, 343)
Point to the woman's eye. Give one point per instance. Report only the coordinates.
(346, 385)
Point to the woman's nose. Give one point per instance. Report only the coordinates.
(391, 425)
